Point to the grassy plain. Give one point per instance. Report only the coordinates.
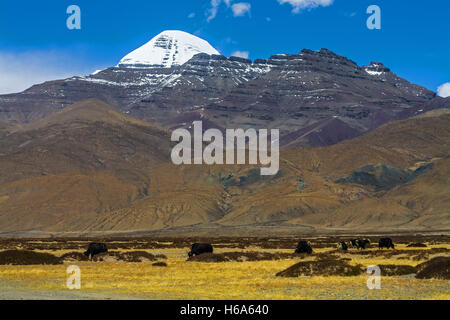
(183, 279)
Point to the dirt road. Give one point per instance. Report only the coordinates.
(11, 290)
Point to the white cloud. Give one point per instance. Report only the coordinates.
(241, 54)
(19, 71)
(444, 90)
(213, 10)
(191, 15)
(306, 4)
(241, 8)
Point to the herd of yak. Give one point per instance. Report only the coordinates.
(302, 247)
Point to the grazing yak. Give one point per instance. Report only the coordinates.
(342, 245)
(385, 243)
(95, 248)
(303, 247)
(199, 248)
(360, 243)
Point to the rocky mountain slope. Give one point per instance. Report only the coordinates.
(177, 78)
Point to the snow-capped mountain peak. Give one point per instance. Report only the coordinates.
(168, 49)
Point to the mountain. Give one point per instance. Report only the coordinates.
(151, 94)
(82, 167)
(168, 49)
(88, 168)
(313, 86)
(291, 92)
(402, 170)
(194, 85)
(399, 144)
(84, 137)
(362, 148)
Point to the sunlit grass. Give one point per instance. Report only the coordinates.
(225, 280)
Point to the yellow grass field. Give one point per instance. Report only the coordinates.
(222, 280)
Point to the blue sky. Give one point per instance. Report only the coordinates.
(35, 44)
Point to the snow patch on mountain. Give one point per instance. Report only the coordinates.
(168, 49)
(374, 73)
(376, 69)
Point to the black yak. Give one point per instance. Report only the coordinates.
(303, 247)
(95, 248)
(385, 243)
(199, 248)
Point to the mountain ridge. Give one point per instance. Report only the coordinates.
(290, 92)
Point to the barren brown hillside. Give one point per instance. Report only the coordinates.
(90, 168)
(401, 144)
(421, 201)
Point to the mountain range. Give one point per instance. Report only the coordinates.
(176, 78)
(363, 149)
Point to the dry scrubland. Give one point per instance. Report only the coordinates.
(240, 274)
